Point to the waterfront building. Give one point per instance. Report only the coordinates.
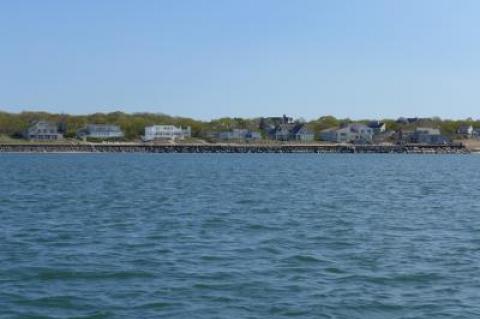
(304, 134)
(403, 136)
(166, 132)
(239, 134)
(377, 127)
(351, 133)
(282, 131)
(273, 125)
(286, 129)
(43, 131)
(476, 133)
(465, 130)
(293, 132)
(100, 131)
(424, 135)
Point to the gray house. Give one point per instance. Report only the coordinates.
(239, 134)
(293, 132)
(277, 128)
(286, 129)
(377, 127)
(283, 131)
(424, 135)
(100, 131)
(43, 131)
(303, 133)
(352, 133)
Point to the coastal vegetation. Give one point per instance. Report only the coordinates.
(12, 125)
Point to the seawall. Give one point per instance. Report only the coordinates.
(237, 148)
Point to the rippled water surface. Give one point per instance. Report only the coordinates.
(239, 236)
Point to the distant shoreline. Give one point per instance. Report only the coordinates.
(234, 148)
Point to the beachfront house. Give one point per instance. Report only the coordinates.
(293, 132)
(43, 131)
(239, 134)
(100, 131)
(286, 129)
(465, 130)
(273, 127)
(282, 132)
(303, 134)
(166, 132)
(351, 133)
(424, 135)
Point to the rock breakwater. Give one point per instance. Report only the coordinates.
(215, 148)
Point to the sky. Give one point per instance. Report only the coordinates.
(246, 58)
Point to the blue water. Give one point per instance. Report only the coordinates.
(239, 236)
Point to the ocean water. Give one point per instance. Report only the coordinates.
(239, 236)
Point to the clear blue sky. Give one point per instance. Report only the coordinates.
(214, 58)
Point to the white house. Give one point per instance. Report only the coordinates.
(100, 131)
(466, 130)
(166, 132)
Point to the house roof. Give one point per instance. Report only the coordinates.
(357, 127)
(376, 124)
(42, 122)
(102, 125)
(302, 129)
(347, 128)
(428, 130)
(102, 128)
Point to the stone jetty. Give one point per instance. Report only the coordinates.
(233, 148)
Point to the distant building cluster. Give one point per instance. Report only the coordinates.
(272, 128)
(283, 128)
(49, 131)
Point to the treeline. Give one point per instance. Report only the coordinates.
(133, 125)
